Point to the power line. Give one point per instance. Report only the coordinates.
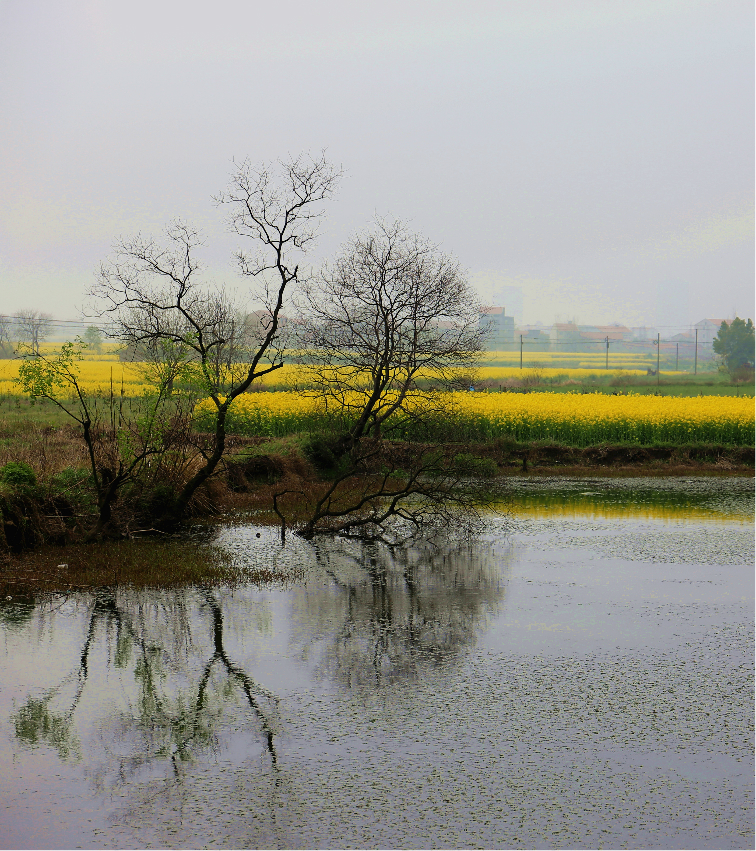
(62, 322)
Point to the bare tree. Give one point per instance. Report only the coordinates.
(6, 336)
(153, 298)
(32, 328)
(120, 451)
(392, 319)
(382, 330)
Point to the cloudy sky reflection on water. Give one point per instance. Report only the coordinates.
(572, 682)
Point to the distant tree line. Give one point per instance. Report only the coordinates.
(24, 331)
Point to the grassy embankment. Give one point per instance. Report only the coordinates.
(546, 432)
(549, 418)
(696, 430)
(508, 416)
(483, 433)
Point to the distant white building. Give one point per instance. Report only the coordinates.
(708, 329)
(499, 328)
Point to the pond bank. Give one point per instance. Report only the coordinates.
(618, 459)
(512, 456)
(59, 507)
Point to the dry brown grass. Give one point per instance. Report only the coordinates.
(47, 449)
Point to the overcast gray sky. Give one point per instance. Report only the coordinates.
(598, 155)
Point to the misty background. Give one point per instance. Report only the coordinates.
(588, 161)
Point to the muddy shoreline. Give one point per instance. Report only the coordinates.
(539, 458)
(258, 467)
(510, 454)
(623, 460)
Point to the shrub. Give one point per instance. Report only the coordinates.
(154, 502)
(19, 475)
(72, 478)
(470, 465)
(75, 484)
(742, 375)
(319, 451)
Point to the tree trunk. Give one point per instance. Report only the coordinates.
(174, 513)
(104, 502)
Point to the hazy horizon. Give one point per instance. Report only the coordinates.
(596, 156)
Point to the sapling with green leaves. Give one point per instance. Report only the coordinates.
(119, 451)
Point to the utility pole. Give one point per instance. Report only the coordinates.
(677, 357)
(658, 350)
(520, 351)
(607, 353)
(695, 361)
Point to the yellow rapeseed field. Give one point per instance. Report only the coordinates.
(108, 352)
(293, 375)
(570, 418)
(97, 369)
(95, 377)
(584, 419)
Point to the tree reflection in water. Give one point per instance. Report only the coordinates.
(160, 680)
(174, 716)
(398, 610)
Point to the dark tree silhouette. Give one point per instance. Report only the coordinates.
(734, 343)
(391, 318)
(151, 295)
(391, 323)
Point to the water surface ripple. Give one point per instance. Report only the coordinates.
(581, 677)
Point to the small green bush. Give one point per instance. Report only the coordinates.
(319, 451)
(18, 475)
(157, 500)
(470, 465)
(75, 485)
(71, 478)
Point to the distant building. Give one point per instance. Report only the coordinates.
(565, 337)
(499, 328)
(599, 333)
(708, 329)
(643, 333)
(569, 337)
(535, 335)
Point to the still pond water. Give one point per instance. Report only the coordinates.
(582, 677)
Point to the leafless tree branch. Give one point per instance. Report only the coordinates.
(155, 302)
(391, 317)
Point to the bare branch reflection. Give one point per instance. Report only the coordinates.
(173, 718)
(397, 610)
